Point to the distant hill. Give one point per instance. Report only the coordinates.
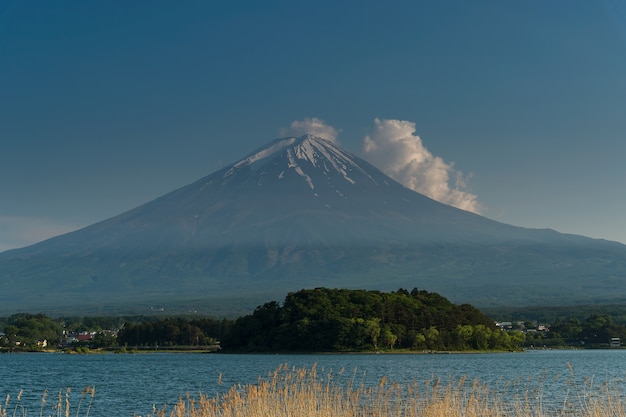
(302, 213)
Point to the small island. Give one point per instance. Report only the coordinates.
(343, 320)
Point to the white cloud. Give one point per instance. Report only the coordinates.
(20, 231)
(313, 126)
(395, 149)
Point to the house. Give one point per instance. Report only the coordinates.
(504, 325)
(84, 336)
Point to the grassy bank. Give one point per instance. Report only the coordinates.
(308, 393)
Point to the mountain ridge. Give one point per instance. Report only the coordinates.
(299, 213)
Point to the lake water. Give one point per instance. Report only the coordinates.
(132, 383)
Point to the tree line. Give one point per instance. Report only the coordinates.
(318, 319)
(594, 331)
(29, 331)
(174, 332)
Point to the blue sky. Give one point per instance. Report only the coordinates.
(107, 105)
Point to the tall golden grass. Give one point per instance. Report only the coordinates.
(291, 392)
(62, 407)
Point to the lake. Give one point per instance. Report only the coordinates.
(131, 384)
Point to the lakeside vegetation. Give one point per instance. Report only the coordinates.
(312, 392)
(307, 392)
(52, 405)
(321, 319)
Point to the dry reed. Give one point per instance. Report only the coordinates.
(291, 392)
(309, 392)
(61, 408)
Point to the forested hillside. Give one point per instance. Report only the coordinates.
(324, 319)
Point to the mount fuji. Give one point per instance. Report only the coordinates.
(302, 213)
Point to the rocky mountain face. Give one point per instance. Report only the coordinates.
(302, 213)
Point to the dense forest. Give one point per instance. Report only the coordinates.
(174, 332)
(358, 320)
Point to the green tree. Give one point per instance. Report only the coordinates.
(34, 328)
(388, 336)
(419, 341)
(463, 334)
(431, 335)
(11, 333)
(481, 336)
(373, 331)
(104, 340)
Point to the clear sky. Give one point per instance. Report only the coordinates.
(105, 105)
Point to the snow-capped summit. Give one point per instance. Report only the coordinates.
(302, 154)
